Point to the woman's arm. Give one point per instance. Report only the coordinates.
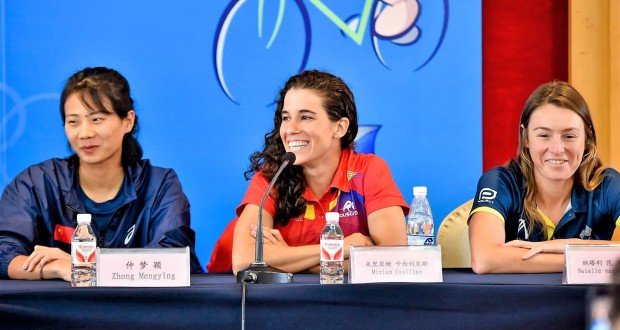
(50, 263)
(292, 259)
(276, 251)
(273, 236)
(489, 254)
(558, 245)
(387, 226)
(18, 272)
(19, 212)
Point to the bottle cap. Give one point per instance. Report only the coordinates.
(83, 218)
(332, 216)
(419, 191)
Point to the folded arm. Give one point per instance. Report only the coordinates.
(20, 257)
(276, 252)
(42, 263)
(489, 254)
(387, 226)
(554, 246)
(292, 259)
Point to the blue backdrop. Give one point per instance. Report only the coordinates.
(205, 74)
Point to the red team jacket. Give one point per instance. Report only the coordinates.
(362, 184)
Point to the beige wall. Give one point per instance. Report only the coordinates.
(594, 68)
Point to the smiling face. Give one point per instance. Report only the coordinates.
(556, 143)
(95, 136)
(308, 131)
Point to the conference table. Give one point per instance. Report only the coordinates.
(464, 300)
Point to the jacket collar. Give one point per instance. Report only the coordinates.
(579, 195)
(68, 181)
(340, 180)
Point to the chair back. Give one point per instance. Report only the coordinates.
(453, 237)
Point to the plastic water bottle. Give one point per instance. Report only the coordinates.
(420, 228)
(83, 256)
(332, 251)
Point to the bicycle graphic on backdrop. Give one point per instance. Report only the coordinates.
(386, 20)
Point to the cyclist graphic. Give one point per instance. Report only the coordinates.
(396, 21)
(386, 22)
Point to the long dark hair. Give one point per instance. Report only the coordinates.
(98, 85)
(339, 103)
(590, 172)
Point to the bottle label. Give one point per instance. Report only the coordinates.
(82, 252)
(420, 240)
(332, 250)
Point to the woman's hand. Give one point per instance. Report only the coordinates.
(356, 239)
(552, 246)
(270, 235)
(43, 255)
(58, 268)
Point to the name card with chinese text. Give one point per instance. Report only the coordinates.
(589, 264)
(160, 267)
(374, 264)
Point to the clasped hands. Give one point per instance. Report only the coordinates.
(551, 246)
(57, 261)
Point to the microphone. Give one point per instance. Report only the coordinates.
(259, 272)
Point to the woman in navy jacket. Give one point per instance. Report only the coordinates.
(557, 192)
(133, 204)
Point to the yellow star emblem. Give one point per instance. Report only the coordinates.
(350, 174)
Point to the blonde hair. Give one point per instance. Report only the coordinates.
(591, 170)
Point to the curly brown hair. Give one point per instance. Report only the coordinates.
(339, 103)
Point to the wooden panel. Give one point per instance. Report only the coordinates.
(589, 62)
(614, 97)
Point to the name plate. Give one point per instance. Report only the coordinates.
(589, 264)
(375, 264)
(161, 267)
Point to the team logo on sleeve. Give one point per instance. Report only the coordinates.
(130, 234)
(487, 195)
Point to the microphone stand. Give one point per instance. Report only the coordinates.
(259, 272)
